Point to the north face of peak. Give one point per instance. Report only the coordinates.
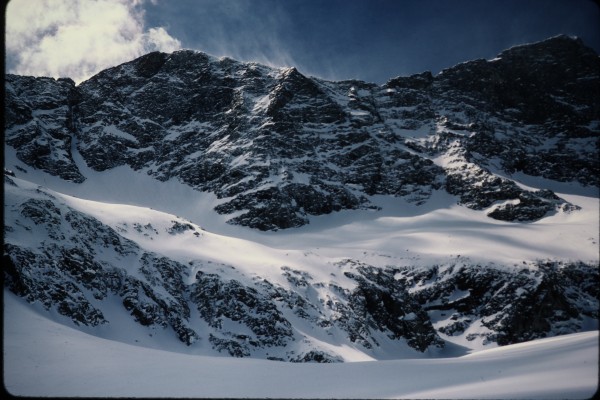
(278, 146)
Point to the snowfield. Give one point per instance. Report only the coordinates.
(434, 231)
(44, 355)
(45, 358)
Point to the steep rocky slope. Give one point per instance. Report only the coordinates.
(277, 148)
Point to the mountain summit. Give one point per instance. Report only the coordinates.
(276, 146)
(426, 216)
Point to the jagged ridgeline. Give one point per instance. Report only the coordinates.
(277, 147)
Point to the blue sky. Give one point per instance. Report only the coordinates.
(371, 40)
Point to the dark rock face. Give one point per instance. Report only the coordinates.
(543, 104)
(216, 300)
(317, 357)
(384, 304)
(515, 307)
(38, 122)
(66, 272)
(281, 146)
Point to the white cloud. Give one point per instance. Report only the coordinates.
(78, 38)
(159, 39)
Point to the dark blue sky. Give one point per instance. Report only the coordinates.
(372, 40)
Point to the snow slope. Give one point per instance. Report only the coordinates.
(435, 230)
(44, 358)
(400, 234)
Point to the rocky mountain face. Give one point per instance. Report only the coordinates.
(276, 147)
(82, 265)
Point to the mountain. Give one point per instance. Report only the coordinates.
(254, 211)
(277, 146)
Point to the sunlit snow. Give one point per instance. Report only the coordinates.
(45, 358)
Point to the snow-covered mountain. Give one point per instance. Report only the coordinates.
(207, 206)
(276, 147)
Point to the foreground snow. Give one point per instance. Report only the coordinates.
(44, 358)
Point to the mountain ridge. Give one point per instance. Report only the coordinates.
(313, 146)
(270, 152)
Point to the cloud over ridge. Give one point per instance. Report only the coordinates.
(76, 39)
